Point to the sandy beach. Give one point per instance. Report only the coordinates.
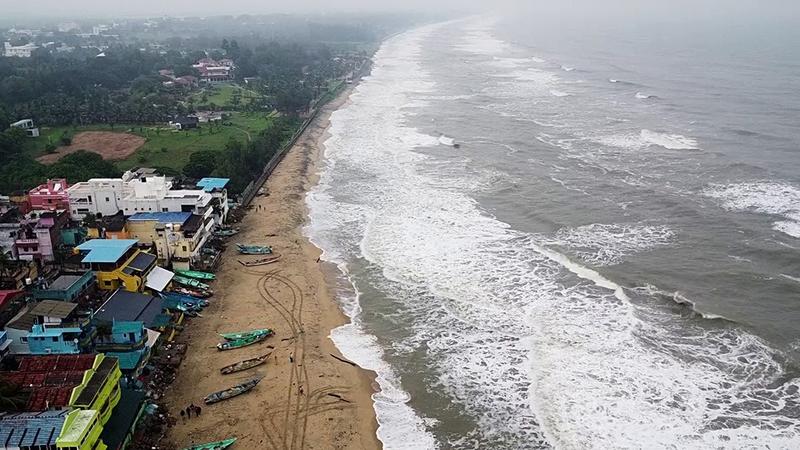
(308, 398)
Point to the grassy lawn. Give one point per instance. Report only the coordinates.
(222, 95)
(168, 148)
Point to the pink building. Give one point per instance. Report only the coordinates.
(50, 196)
(40, 235)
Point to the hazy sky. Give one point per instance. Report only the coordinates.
(586, 8)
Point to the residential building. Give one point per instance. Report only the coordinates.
(108, 227)
(20, 51)
(178, 237)
(31, 430)
(40, 235)
(184, 122)
(217, 187)
(49, 379)
(67, 287)
(81, 431)
(55, 327)
(212, 71)
(99, 389)
(9, 227)
(50, 196)
(5, 345)
(107, 196)
(129, 322)
(26, 124)
(118, 263)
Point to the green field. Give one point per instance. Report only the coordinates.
(222, 95)
(166, 147)
(169, 148)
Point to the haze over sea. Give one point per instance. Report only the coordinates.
(609, 260)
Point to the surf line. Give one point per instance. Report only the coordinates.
(584, 272)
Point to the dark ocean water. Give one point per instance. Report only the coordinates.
(609, 260)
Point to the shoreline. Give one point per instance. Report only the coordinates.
(308, 397)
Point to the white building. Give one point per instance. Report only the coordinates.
(131, 195)
(28, 126)
(22, 51)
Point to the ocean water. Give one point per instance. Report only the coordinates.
(608, 260)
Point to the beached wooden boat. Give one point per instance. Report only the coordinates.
(226, 232)
(194, 292)
(244, 342)
(245, 334)
(196, 274)
(254, 249)
(191, 282)
(246, 364)
(219, 445)
(260, 261)
(231, 392)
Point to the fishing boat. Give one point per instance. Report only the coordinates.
(219, 445)
(226, 232)
(245, 334)
(254, 249)
(246, 364)
(243, 342)
(191, 282)
(231, 392)
(196, 274)
(194, 292)
(260, 261)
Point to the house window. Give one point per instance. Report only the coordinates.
(24, 340)
(108, 199)
(185, 248)
(55, 339)
(107, 283)
(164, 209)
(90, 198)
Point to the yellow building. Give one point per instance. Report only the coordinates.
(118, 263)
(177, 236)
(81, 431)
(99, 390)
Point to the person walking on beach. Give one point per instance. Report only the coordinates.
(183, 415)
(188, 412)
(197, 411)
(193, 408)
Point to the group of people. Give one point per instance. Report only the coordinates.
(187, 413)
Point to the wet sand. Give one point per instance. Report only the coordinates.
(307, 399)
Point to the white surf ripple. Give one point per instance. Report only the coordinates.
(773, 198)
(648, 138)
(536, 348)
(608, 244)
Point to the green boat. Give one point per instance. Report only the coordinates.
(219, 445)
(244, 334)
(191, 282)
(254, 249)
(196, 274)
(244, 342)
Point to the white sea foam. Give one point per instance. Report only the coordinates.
(643, 96)
(557, 93)
(567, 68)
(773, 198)
(647, 138)
(530, 344)
(607, 244)
(478, 39)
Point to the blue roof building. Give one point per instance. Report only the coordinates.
(28, 431)
(105, 250)
(208, 184)
(161, 217)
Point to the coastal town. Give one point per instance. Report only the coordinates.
(175, 305)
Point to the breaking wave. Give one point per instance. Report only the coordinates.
(772, 198)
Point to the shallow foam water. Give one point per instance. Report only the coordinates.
(479, 297)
